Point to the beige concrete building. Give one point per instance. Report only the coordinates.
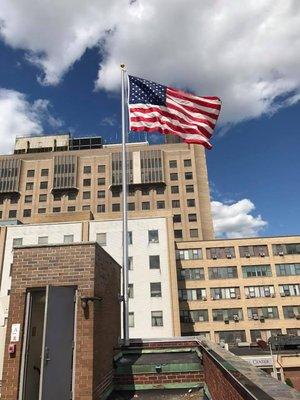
(61, 175)
(235, 290)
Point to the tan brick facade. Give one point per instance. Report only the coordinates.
(88, 267)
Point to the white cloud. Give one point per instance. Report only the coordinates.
(235, 220)
(248, 53)
(20, 117)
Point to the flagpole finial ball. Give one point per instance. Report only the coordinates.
(122, 66)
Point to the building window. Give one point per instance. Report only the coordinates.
(72, 196)
(86, 207)
(250, 271)
(173, 164)
(41, 210)
(256, 313)
(86, 182)
(71, 208)
(154, 262)
(29, 185)
(174, 177)
(145, 205)
(101, 181)
(56, 209)
(282, 249)
(160, 190)
(131, 319)
(87, 169)
(115, 192)
(27, 213)
(263, 334)
(291, 312)
(175, 203)
(101, 169)
(193, 233)
(101, 208)
(101, 238)
(191, 294)
(101, 194)
(176, 218)
(115, 207)
(131, 192)
(174, 189)
(157, 318)
(129, 238)
(153, 236)
(293, 331)
(160, 204)
(155, 289)
(12, 214)
(191, 317)
(289, 290)
(86, 195)
(259, 291)
(225, 293)
(45, 172)
(145, 191)
(130, 263)
(42, 198)
(56, 196)
(188, 175)
(28, 199)
(17, 242)
(130, 291)
(68, 239)
(190, 202)
(131, 206)
(1, 214)
(187, 163)
(178, 233)
(190, 274)
(44, 185)
(230, 337)
(14, 200)
(222, 272)
(192, 217)
(189, 188)
(30, 173)
(191, 254)
(220, 252)
(228, 314)
(254, 251)
(43, 240)
(287, 269)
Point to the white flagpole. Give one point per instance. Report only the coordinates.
(125, 214)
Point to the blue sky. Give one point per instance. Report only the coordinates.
(254, 165)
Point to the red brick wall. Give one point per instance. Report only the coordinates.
(159, 379)
(294, 375)
(94, 273)
(219, 387)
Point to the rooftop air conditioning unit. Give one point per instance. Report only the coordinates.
(280, 253)
(228, 255)
(262, 254)
(247, 255)
(255, 316)
(226, 320)
(262, 318)
(236, 318)
(214, 257)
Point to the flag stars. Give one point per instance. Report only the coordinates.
(146, 92)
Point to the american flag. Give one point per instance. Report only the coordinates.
(155, 107)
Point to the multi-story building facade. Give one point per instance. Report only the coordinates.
(61, 175)
(235, 290)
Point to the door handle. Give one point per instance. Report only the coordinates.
(47, 358)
